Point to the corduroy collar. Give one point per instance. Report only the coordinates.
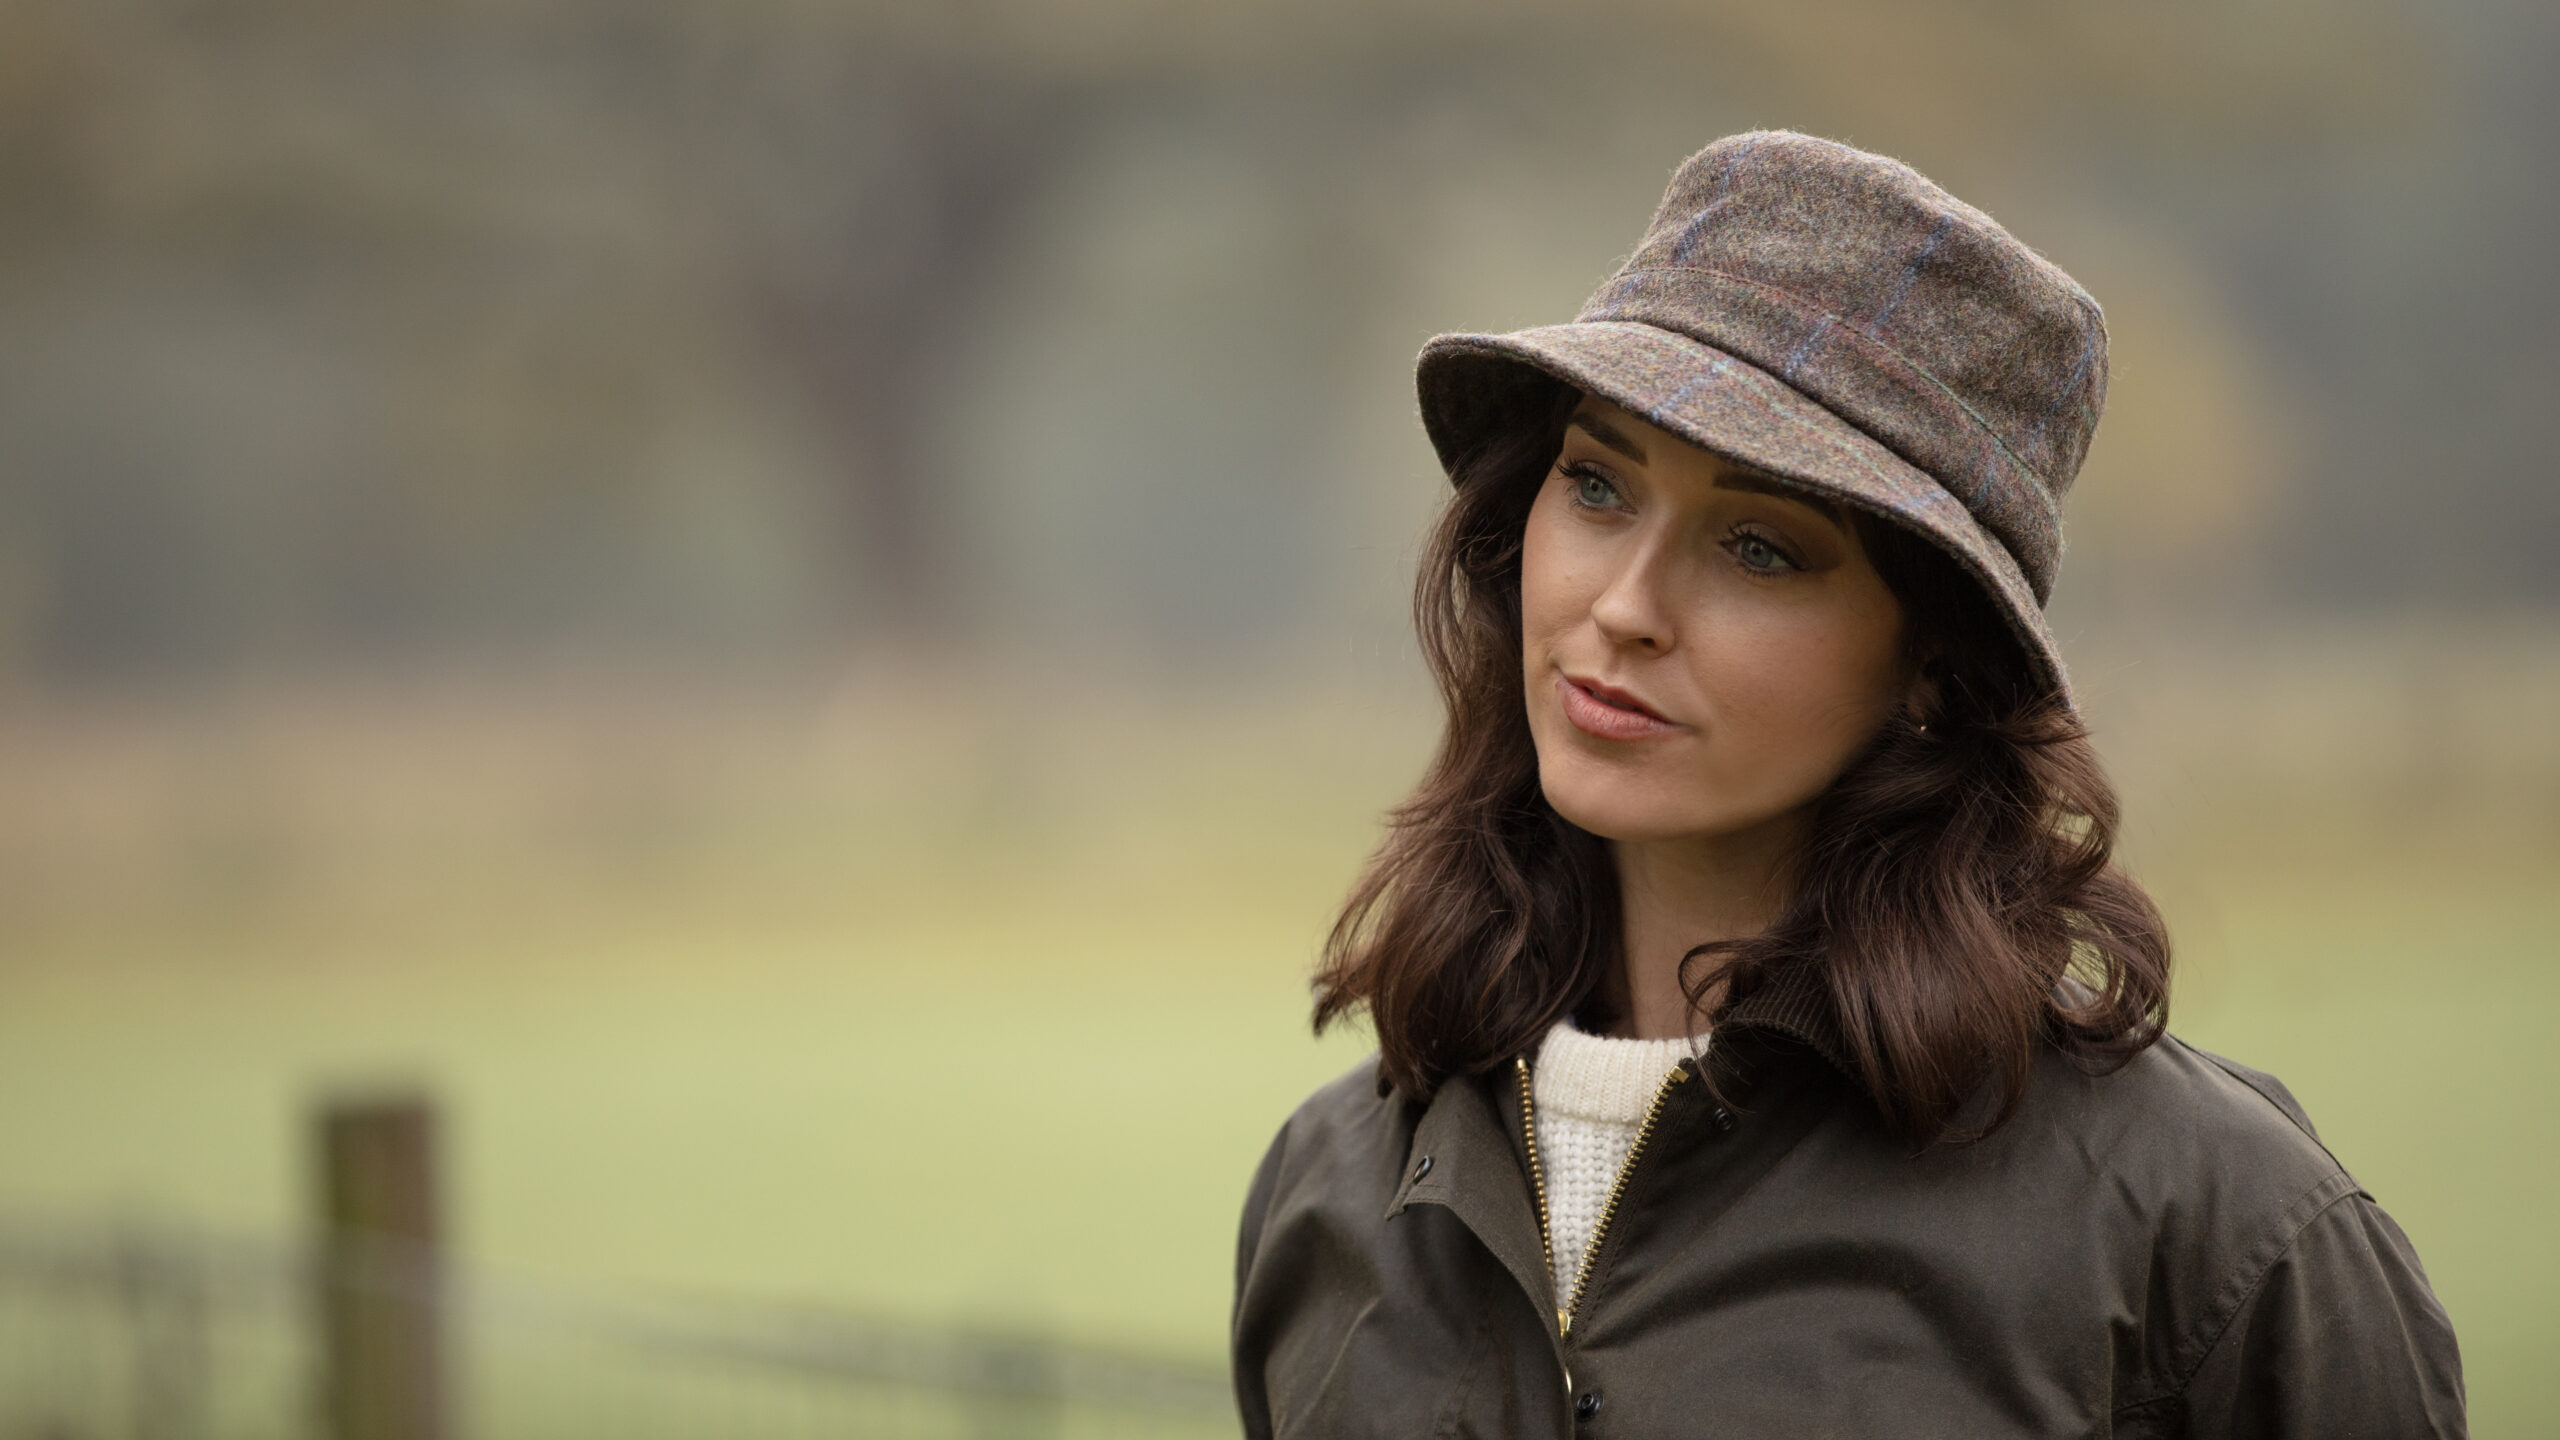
(1795, 1003)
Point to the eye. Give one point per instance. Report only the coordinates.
(1758, 553)
(1593, 490)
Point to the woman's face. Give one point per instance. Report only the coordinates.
(1703, 651)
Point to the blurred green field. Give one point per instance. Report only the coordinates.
(987, 1019)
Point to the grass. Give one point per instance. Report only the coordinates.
(770, 995)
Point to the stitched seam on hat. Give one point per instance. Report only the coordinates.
(1806, 306)
(1804, 347)
(1768, 403)
(1799, 303)
(1901, 290)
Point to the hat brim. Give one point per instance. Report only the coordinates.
(1472, 385)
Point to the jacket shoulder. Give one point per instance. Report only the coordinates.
(1346, 1122)
(1346, 1140)
(1352, 1098)
(2190, 1118)
(2313, 1316)
(2265, 1086)
(2216, 1168)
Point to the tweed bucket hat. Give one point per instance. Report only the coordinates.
(1833, 319)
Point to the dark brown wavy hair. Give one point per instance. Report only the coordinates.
(1955, 894)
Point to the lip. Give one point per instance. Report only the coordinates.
(1609, 713)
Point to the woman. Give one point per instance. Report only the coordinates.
(1768, 1045)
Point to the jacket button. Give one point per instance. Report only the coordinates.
(1586, 1404)
(1421, 1167)
(1724, 1120)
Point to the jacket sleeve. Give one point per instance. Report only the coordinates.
(2341, 1339)
(1253, 1401)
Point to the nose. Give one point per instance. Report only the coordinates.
(1633, 609)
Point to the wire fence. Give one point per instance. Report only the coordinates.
(152, 1331)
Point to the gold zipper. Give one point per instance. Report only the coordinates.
(1572, 1300)
(1538, 1180)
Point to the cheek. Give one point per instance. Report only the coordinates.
(1807, 688)
(1551, 587)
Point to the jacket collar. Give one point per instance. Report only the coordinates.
(1465, 1156)
(1795, 1002)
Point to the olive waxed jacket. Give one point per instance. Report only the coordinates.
(2162, 1251)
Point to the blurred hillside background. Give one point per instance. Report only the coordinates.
(798, 609)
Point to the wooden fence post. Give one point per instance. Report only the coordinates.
(381, 1285)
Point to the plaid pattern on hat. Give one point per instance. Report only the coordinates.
(1835, 320)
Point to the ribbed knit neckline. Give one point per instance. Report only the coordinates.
(1603, 1078)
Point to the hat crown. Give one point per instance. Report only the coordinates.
(1901, 309)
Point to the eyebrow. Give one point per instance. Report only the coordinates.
(1608, 435)
(1753, 482)
(1748, 481)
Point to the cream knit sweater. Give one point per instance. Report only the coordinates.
(1589, 1094)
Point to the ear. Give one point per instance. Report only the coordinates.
(1921, 698)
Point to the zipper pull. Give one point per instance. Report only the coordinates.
(1564, 1323)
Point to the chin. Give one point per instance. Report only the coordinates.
(1642, 804)
(1624, 809)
